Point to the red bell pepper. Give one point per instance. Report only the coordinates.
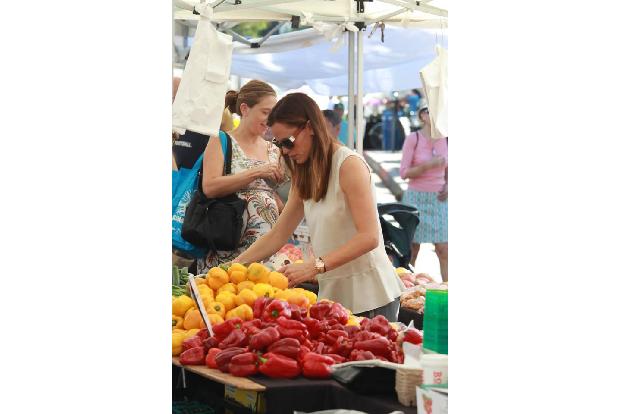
(203, 334)
(366, 335)
(223, 359)
(413, 336)
(352, 330)
(222, 330)
(379, 346)
(259, 306)
(291, 333)
(290, 324)
(333, 334)
(317, 366)
(211, 342)
(380, 325)
(193, 356)
(313, 326)
(210, 359)
(318, 347)
(252, 327)
(320, 310)
(275, 309)
(343, 346)
(297, 313)
(359, 355)
(337, 358)
(193, 342)
(338, 312)
(279, 366)
(243, 365)
(264, 339)
(303, 351)
(237, 338)
(289, 347)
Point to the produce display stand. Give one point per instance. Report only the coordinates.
(282, 396)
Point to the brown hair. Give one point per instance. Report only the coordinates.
(250, 94)
(311, 178)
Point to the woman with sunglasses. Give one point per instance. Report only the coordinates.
(425, 164)
(331, 186)
(255, 168)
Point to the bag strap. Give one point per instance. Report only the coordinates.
(227, 150)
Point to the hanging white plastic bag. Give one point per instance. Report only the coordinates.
(199, 102)
(434, 77)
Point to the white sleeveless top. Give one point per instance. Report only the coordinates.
(365, 283)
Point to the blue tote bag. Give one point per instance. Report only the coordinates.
(184, 184)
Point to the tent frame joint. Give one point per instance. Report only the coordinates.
(360, 5)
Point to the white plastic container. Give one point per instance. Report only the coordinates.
(435, 369)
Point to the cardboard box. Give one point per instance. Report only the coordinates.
(253, 400)
(432, 399)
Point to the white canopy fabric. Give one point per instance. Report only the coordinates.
(421, 13)
(305, 58)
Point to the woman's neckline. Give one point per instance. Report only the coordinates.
(246, 155)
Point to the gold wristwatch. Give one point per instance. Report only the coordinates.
(320, 266)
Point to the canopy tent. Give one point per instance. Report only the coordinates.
(297, 58)
(335, 20)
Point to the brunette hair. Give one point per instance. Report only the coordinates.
(311, 178)
(250, 94)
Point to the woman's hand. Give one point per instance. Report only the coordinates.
(436, 162)
(298, 272)
(443, 194)
(270, 172)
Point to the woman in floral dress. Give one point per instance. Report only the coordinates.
(255, 168)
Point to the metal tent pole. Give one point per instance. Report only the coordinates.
(360, 92)
(350, 85)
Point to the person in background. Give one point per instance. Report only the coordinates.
(255, 168)
(425, 164)
(332, 188)
(413, 102)
(333, 122)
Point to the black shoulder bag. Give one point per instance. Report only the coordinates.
(215, 223)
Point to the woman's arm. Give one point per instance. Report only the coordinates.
(354, 179)
(273, 240)
(217, 185)
(407, 154)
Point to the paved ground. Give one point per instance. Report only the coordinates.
(389, 187)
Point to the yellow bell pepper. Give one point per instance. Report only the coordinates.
(246, 296)
(177, 322)
(183, 331)
(245, 285)
(228, 287)
(190, 333)
(258, 273)
(177, 340)
(227, 299)
(283, 294)
(237, 267)
(298, 298)
(200, 281)
(193, 320)
(278, 280)
(238, 276)
(216, 308)
(215, 319)
(352, 321)
(181, 305)
(244, 312)
(263, 289)
(312, 297)
(217, 278)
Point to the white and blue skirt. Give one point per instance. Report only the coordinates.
(433, 215)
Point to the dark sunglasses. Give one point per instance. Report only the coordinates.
(285, 143)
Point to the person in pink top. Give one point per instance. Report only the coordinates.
(425, 165)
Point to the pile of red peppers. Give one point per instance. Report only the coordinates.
(285, 341)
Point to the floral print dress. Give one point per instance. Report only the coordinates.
(261, 209)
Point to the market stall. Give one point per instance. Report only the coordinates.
(241, 335)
